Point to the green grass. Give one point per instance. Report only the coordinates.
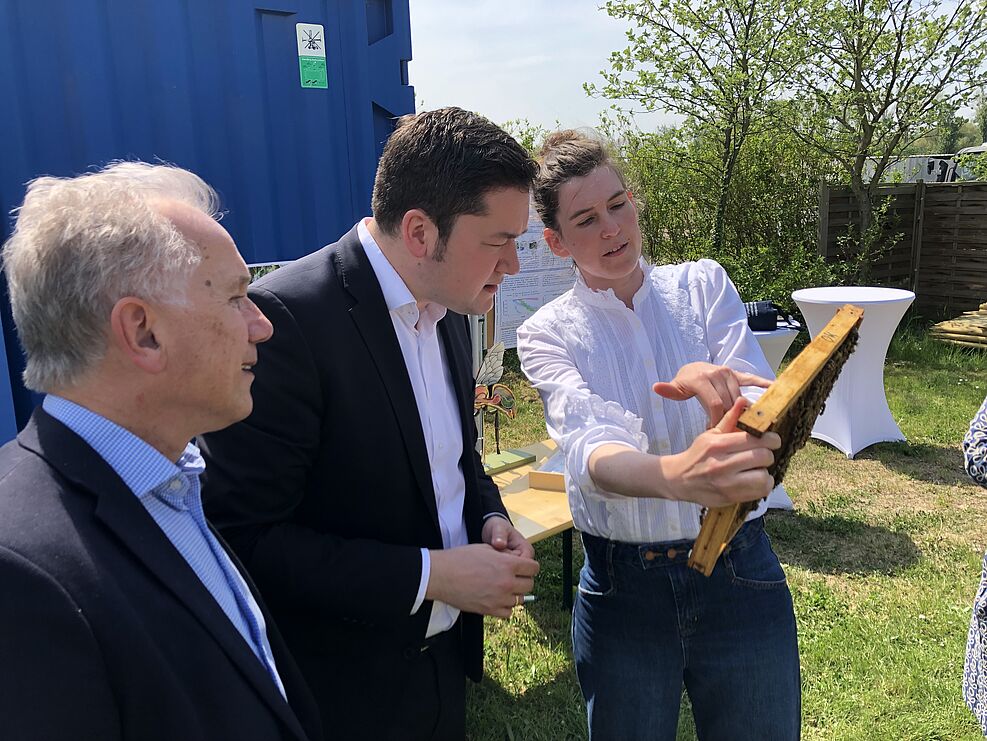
(883, 558)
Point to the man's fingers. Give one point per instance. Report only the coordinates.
(521, 547)
(729, 421)
(523, 585)
(526, 567)
(497, 532)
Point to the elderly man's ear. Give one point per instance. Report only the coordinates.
(133, 324)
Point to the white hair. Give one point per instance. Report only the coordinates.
(81, 244)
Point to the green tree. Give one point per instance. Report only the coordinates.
(947, 134)
(528, 135)
(769, 232)
(879, 75)
(980, 116)
(718, 63)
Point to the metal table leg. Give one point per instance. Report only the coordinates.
(567, 569)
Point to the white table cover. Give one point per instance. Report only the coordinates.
(857, 413)
(774, 345)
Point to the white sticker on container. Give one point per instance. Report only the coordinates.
(312, 55)
(311, 40)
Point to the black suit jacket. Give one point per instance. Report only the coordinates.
(106, 632)
(326, 492)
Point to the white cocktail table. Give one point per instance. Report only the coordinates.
(774, 344)
(857, 413)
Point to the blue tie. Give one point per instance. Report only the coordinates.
(190, 501)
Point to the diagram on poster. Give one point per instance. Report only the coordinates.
(543, 277)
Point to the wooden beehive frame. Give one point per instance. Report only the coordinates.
(789, 407)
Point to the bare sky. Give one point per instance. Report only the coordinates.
(510, 59)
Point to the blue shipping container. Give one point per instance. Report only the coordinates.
(215, 86)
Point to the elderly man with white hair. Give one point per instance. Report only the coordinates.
(122, 614)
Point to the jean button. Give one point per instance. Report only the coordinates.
(650, 556)
(672, 553)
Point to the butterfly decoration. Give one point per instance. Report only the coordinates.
(496, 397)
(489, 394)
(492, 368)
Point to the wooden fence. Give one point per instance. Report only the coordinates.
(941, 246)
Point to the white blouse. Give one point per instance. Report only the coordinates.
(594, 361)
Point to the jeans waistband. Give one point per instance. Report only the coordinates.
(665, 553)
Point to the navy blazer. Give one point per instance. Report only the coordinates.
(106, 632)
(325, 489)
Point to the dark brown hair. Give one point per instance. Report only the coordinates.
(566, 155)
(444, 162)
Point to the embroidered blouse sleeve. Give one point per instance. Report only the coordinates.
(975, 447)
(729, 339)
(578, 420)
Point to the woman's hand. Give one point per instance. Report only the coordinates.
(716, 386)
(723, 465)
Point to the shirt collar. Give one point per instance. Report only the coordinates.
(398, 297)
(607, 298)
(142, 467)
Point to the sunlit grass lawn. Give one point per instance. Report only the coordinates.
(882, 554)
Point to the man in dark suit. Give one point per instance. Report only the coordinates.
(353, 492)
(122, 616)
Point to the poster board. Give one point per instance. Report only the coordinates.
(543, 277)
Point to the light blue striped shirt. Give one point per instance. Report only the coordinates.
(170, 493)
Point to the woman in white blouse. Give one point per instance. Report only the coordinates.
(640, 369)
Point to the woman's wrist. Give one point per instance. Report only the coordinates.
(629, 472)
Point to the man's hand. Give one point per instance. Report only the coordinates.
(478, 578)
(723, 466)
(503, 536)
(716, 386)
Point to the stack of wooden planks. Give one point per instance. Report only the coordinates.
(968, 330)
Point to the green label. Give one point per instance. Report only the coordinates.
(313, 71)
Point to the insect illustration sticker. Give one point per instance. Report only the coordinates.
(490, 395)
(311, 39)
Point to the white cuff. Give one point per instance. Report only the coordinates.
(423, 585)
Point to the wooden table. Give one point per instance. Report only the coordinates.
(539, 513)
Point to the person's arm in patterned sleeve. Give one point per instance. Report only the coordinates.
(975, 447)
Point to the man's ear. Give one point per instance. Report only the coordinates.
(132, 332)
(554, 240)
(418, 233)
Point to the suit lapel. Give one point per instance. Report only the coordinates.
(373, 322)
(123, 514)
(453, 330)
(285, 662)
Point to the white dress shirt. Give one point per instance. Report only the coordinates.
(425, 360)
(593, 360)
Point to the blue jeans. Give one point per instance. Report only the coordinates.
(644, 623)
